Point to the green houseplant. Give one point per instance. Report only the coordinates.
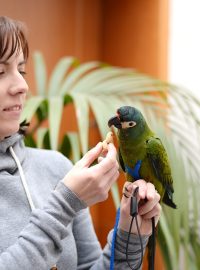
(172, 112)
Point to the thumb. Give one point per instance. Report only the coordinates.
(90, 156)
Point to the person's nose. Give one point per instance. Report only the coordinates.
(18, 85)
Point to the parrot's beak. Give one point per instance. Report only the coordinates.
(115, 121)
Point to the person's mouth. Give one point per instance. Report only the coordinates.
(14, 108)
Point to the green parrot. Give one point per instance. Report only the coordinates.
(142, 154)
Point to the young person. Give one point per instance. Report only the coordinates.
(44, 200)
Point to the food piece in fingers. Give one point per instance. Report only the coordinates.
(108, 139)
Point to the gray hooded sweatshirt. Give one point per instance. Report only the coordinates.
(58, 230)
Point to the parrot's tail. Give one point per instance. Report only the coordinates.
(152, 247)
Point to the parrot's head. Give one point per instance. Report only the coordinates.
(129, 121)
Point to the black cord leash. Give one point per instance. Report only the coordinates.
(152, 242)
(134, 213)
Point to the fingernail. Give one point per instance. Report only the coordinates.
(98, 144)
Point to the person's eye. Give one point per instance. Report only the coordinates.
(1, 72)
(22, 72)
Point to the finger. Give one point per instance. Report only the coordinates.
(150, 204)
(142, 188)
(100, 159)
(109, 161)
(110, 177)
(155, 212)
(108, 182)
(127, 190)
(90, 156)
(114, 178)
(150, 193)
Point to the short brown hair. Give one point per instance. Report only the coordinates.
(15, 32)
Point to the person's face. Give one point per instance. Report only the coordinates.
(13, 90)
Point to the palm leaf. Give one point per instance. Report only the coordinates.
(75, 76)
(74, 140)
(40, 73)
(31, 106)
(41, 132)
(82, 115)
(58, 74)
(55, 114)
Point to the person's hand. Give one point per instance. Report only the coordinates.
(92, 184)
(149, 207)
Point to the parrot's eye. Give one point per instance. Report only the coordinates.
(131, 124)
(128, 124)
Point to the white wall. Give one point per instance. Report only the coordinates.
(184, 44)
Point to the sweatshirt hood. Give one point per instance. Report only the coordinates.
(7, 163)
